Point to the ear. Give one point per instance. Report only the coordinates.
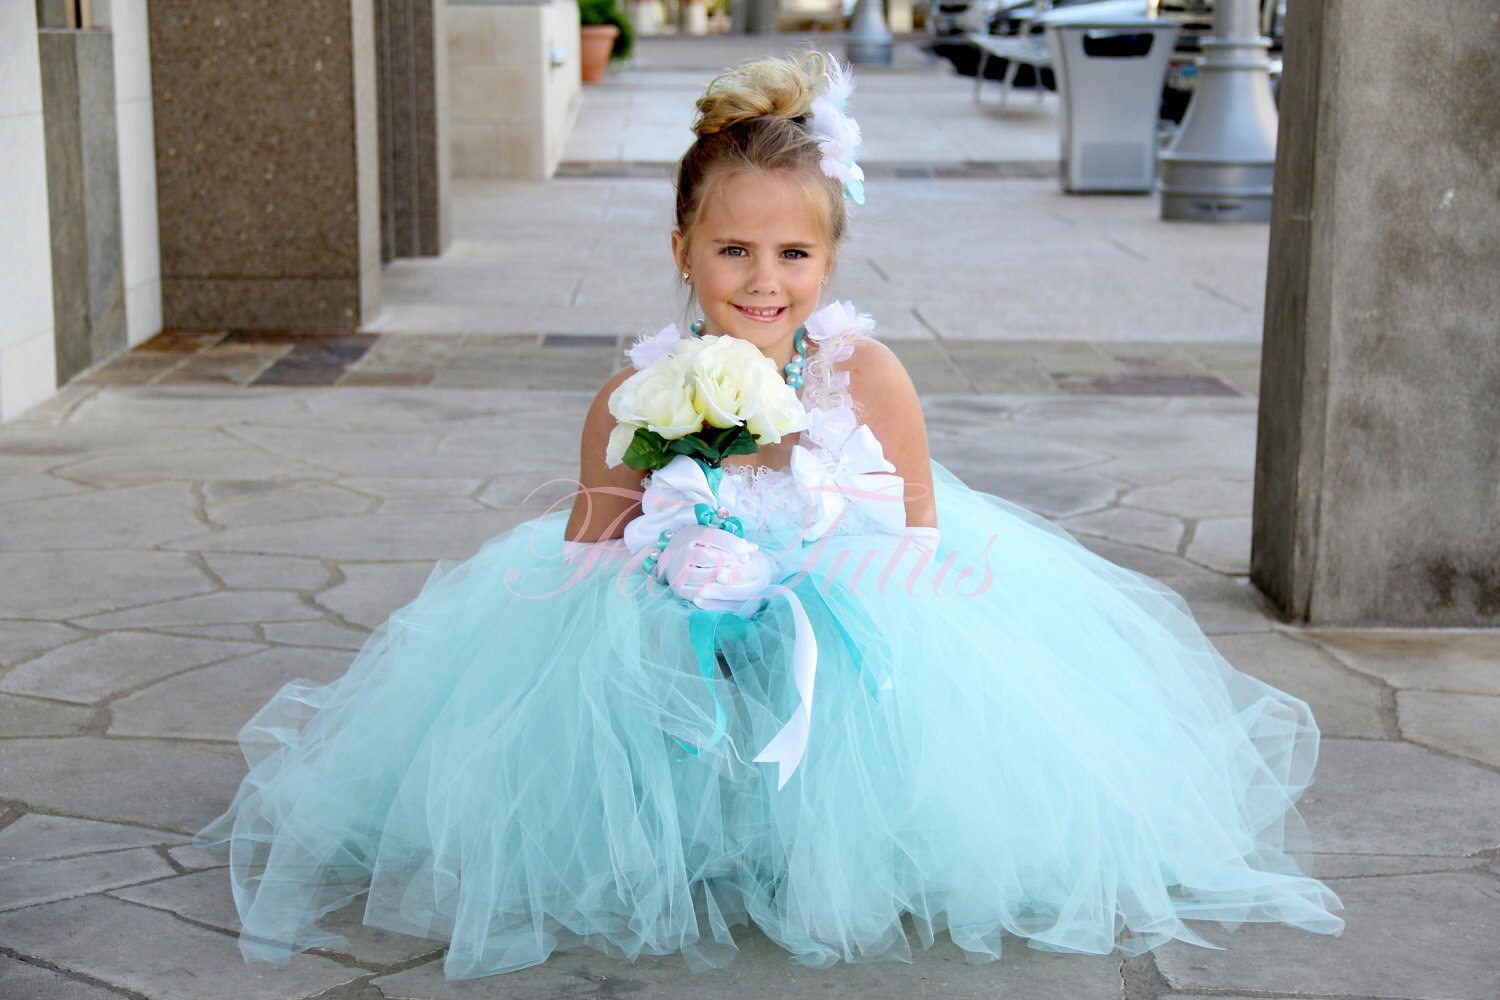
(679, 250)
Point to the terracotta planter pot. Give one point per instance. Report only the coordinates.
(597, 43)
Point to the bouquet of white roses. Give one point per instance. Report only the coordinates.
(709, 398)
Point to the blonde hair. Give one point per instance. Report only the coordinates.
(754, 119)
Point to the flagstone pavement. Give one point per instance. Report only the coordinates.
(185, 530)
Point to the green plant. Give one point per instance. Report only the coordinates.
(605, 12)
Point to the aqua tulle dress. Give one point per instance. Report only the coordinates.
(1013, 738)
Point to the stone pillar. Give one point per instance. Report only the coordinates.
(83, 196)
(411, 60)
(267, 163)
(1377, 487)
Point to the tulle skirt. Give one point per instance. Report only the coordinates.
(1014, 738)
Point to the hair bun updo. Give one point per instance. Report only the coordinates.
(766, 88)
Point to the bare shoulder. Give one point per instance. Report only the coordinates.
(598, 419)
(877, 376)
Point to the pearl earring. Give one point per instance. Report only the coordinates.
(686, 278)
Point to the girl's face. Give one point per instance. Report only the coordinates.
(755, 258)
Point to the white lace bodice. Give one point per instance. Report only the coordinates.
(838, 480)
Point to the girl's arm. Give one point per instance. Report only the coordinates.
(607, 499)
(889, 407)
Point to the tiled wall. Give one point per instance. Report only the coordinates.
(511, 106)
(27, 360)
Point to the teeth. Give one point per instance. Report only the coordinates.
(761, 312)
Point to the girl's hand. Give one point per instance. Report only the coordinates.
(716, 570)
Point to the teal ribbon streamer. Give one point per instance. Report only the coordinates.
(703, 636)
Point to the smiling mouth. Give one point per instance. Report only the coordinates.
(766, 315)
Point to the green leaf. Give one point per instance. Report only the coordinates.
(718, 436)
(710, 445)
(695, 446)
(740, 442)
(647, 451)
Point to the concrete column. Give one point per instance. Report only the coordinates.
(759, 16)
(83, 196)
(411, 52)
(1377, 493)
(127, 22)
(267, 162)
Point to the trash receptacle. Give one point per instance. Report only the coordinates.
(1111, 63)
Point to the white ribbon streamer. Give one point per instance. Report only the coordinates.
(788, 746)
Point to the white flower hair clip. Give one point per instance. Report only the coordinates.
(838, 134)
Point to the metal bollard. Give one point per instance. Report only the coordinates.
(870, 42)
(1220, 165)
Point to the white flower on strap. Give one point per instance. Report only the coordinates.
(838, 318)
(648, 349)
(855, 474)
(838, 134)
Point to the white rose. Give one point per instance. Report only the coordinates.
(687, 347)
(772, 409)
(658, 398)
(720, 371)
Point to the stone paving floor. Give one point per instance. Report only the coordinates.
(172, 555)
(583, 362)
(176, 542)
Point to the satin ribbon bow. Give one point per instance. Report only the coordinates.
(681, 494)
(857, 476)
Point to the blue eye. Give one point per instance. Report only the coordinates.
(796, 254)
(733, 251)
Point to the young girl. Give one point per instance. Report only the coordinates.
(876, 695)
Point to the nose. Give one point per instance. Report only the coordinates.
(762, 278)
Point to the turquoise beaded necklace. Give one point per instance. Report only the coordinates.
(793, 370)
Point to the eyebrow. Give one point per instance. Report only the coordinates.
(730, 241)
